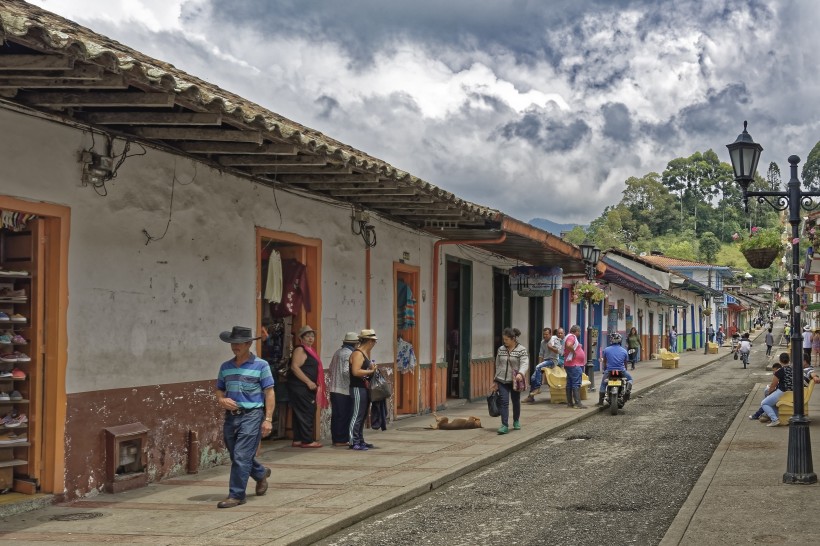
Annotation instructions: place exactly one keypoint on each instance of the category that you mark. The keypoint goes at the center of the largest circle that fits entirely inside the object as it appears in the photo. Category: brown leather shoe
(230, 503)
(262, 485)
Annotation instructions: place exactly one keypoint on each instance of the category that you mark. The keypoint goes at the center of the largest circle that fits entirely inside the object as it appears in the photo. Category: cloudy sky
(537, 108)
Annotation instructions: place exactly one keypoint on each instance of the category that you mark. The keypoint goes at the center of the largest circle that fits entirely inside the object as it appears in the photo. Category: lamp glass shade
(745, 155)
(595, 256)
(587, 249)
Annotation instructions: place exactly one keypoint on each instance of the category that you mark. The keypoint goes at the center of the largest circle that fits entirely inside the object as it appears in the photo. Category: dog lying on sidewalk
(459, 423)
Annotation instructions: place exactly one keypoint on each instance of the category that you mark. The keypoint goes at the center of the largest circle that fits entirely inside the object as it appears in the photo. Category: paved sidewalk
(314, 493)
(740, 497)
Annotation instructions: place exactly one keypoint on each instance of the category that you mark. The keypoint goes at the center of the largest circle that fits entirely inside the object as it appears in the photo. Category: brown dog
(459, 423)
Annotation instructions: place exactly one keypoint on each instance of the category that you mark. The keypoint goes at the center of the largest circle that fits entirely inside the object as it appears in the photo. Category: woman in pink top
(574, 361)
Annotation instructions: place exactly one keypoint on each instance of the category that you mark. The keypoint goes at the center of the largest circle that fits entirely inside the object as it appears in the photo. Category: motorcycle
(618, 391)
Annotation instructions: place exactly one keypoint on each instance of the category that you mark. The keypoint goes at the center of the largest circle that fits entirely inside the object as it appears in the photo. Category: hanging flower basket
(707, 311)
(587, 292)
(761, 258)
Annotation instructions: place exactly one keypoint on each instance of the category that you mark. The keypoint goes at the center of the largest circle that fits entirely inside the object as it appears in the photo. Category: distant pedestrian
(720, 336)
(634, 346)
(807, 341)
(244, 389)
(769, 342)
(710, 333)
(574, 362)
(815, 346)
(673, 339)
(512, 363)
(341, 403)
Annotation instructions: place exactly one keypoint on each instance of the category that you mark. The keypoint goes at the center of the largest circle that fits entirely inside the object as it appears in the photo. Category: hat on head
(351, 337)
(807, 328)
(368, 334)
(238, 334)
(304, 330)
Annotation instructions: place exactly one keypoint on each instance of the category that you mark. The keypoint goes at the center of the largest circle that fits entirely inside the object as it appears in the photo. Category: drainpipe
(367, 276)
(434, 303)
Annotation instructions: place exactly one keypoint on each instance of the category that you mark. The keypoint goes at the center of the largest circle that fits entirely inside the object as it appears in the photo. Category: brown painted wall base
(169, 412)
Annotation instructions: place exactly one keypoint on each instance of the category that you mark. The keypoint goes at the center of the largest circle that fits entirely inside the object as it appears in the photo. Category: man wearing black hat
(244, 389)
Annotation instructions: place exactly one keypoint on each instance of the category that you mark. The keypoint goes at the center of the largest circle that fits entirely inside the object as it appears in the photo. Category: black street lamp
(776, 290)
(590, 254)
(745, 154)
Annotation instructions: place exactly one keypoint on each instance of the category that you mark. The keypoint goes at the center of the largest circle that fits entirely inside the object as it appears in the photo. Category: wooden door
(406, 380)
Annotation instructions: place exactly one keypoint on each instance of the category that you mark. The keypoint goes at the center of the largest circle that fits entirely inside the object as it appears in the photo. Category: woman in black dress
(305, 384)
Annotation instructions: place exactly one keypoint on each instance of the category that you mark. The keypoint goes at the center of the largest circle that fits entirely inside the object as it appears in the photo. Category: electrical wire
(174, 180)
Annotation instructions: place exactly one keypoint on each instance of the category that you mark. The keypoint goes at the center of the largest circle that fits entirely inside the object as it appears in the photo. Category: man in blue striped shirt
(244, 389)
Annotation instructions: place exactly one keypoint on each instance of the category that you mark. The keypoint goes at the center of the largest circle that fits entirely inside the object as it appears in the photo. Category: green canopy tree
(708, 247)
(811, 169)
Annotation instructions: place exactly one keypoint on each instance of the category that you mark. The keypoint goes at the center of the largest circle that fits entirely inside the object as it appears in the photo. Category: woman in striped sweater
(511, 362)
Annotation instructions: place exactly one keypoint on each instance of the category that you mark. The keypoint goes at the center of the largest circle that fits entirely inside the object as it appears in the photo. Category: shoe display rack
(17, 282)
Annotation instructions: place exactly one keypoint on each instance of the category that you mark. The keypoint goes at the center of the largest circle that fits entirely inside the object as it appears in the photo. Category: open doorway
(406, 282)
(459, 326)
(288, 297)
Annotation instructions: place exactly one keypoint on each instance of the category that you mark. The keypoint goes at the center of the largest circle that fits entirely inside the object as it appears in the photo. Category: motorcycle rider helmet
(615, 338)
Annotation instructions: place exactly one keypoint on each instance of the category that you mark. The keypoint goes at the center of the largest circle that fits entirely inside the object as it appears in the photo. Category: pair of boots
(574, 398)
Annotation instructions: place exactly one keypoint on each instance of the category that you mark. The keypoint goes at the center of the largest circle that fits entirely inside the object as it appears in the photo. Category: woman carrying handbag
(512, 363)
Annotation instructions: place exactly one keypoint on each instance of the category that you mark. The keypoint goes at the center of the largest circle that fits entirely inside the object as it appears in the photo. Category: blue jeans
(242, 434)
(508, 394)
(537, 377)
(606, 376)
(673, 345)
(769, 404)
(574, 376)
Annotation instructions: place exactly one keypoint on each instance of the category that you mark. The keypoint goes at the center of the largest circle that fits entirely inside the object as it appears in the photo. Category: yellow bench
(556, 379)
(785, 406)
(669, 360)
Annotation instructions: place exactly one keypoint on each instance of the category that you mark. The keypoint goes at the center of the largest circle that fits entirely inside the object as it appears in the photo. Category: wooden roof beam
(267, 163)
(79, 72)
(312, 169)
(108, 81)
(405, 199)
(153, 118)
(327, 180)
(343, 192)
(182, 133)
(57, 99)
(222, 148)
(35, 62)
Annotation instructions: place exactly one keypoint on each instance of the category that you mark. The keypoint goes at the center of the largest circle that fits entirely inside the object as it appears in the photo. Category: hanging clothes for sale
(406, 311)
(273, 283)
(295, 290)
(15, 221)
(405, 357)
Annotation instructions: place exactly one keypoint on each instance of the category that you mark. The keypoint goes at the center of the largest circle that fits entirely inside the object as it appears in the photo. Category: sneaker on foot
(764, 419)
(359, 447)
(529, 400)
(503, 429)
(774, 423)
(753, 418)
(516, 425)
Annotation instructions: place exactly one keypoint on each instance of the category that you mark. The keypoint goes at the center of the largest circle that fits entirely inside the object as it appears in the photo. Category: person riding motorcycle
(614, 358)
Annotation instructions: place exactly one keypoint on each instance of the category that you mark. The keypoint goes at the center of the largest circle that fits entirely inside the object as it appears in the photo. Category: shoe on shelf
(230, 503)
(22, 357)
(15, 395)
(4, 317)
(5, 339)
(516, 425)
(774, 423)
(503, 429)
(19, 340)
(17, 317)
(17, 373)
(8, 357)
(6, 374)
(4, 396)
(12, 422)
(12, 273)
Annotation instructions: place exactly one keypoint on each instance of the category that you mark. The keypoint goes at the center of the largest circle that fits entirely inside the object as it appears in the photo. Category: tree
(685, 250)
(709, 246)
(576, 235)
(649, 203)
(811, 169)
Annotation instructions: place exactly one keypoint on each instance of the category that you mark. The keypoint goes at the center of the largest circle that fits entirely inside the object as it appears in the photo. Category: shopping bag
(380, 388)
(494, 404)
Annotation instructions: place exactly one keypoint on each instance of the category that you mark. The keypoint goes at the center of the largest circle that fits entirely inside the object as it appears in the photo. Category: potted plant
(761, 246)
(588, 292)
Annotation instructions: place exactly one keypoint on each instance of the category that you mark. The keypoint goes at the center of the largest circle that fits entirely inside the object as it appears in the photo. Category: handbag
(494, 404)
(631, 352)
(380, 388)
(518, 385)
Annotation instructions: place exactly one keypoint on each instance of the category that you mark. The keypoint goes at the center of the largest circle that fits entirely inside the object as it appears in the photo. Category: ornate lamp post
(745, 154)
(776, 290)
(590, 254)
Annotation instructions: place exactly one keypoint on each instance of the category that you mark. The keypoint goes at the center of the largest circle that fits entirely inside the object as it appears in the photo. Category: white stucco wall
(150, 314)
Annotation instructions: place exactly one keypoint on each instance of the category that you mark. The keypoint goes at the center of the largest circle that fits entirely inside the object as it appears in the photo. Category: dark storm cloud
(327, 105)
(547, 134)
(617, 122)
(365, 27)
